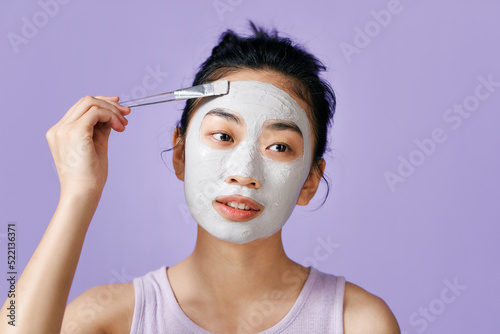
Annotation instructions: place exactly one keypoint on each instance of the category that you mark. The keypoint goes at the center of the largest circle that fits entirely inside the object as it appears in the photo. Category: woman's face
(247, 157)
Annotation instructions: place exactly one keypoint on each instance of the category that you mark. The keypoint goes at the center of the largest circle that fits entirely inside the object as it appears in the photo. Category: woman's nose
(244, 168)
(243, 181)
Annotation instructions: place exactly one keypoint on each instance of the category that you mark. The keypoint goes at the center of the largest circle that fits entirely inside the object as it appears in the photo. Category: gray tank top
(318, 309)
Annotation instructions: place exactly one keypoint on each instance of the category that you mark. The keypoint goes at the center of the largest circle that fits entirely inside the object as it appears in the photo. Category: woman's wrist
(80, 200)
(81, 191)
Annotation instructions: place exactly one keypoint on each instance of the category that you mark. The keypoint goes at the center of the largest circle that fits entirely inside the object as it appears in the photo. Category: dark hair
(268, 51)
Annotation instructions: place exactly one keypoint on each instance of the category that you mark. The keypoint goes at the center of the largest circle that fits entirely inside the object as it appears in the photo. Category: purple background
(401, 244)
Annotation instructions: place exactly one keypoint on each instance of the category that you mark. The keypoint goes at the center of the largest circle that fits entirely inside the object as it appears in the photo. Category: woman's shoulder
(367, 313)
(104, 309)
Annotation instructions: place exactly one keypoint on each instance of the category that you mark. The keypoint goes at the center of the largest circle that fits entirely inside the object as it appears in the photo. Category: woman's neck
(225, 271)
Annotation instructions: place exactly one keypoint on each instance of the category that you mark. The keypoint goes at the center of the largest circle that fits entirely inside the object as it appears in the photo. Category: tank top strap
(338, 305)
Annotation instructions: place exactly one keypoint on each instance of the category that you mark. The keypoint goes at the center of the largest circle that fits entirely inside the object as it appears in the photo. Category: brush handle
(195, 92)
(147, 100)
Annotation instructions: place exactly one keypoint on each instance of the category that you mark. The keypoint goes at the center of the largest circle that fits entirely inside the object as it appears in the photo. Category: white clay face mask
(235, 192)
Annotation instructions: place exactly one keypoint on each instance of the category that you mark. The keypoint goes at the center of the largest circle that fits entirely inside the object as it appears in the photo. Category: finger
(101, 136)
(87, 102)
(101, 132)
(114, 101)
(69, 112)
(96, 115)
(110, 98)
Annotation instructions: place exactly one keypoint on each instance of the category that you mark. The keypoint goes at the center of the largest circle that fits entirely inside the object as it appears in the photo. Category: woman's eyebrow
(224, 114)
(281, 125)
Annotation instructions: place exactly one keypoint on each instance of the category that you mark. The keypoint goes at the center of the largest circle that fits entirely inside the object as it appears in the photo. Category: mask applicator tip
(221, 87)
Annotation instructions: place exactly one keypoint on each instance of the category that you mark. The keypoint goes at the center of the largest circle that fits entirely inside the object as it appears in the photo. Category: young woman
(246, 158)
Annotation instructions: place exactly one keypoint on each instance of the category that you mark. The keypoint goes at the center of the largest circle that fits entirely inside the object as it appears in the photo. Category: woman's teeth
(240, 206)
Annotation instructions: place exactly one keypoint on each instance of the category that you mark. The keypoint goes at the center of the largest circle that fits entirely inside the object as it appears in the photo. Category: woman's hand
(79, 142)
(79, 145)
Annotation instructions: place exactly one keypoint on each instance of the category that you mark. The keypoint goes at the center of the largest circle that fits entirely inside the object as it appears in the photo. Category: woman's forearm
(43, 288)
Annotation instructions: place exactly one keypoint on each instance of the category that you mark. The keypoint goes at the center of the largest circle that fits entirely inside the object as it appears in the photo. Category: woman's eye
(279, 148)
(222, 136)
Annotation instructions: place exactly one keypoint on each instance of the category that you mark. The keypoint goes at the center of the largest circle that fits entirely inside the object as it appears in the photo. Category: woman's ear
(178, 156)
(311, 185)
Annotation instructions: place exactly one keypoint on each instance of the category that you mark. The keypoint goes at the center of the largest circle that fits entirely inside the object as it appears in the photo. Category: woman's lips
(223, 206)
